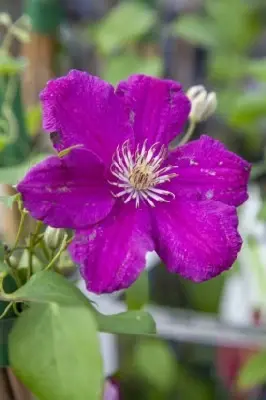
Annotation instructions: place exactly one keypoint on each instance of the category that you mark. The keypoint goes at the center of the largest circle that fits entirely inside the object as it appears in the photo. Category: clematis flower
(111, 390)
(124, 192)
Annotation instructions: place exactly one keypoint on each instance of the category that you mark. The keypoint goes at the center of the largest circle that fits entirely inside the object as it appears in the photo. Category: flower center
(139, 173)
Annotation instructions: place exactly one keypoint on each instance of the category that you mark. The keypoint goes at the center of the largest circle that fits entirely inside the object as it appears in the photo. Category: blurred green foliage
(229, 29)
(13, 174)
(137, 296)
(151, 371)
(122, 39)
(17, 125)
(15, 143)
(154, 361)
(254, 372)
(121, 66)
(33, 117)
(116, 30)
(197, 294)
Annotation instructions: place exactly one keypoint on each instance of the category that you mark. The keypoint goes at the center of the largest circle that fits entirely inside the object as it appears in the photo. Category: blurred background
(211, 336)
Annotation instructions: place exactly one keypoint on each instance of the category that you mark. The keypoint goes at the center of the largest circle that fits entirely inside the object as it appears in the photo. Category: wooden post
(39, 52)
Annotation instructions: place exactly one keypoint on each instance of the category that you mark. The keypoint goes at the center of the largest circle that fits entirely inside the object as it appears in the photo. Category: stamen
(139, 173)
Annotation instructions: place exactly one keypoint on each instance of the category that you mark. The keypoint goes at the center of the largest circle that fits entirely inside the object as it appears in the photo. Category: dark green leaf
(131, 322)
(138, 294)
(254, 372)
(50, 287)
(55, 352)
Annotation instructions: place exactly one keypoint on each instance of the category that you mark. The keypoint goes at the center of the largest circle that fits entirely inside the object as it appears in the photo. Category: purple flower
(124, 192)
(111, 391)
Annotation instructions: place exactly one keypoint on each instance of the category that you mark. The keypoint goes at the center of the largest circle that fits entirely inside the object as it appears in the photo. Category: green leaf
(12, 175)
(138, 294)
(254, 372)
(50, 287)
(120, 67)
(33, 119)
(197, 30)
(155, 363)
(131, 322)
(133, 19)
(55, 352)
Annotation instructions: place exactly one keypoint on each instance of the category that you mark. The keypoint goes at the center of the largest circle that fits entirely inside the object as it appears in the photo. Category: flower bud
(111, 391)
(24, 262)
(53, 237)
(5, 19)
(203, 104)
(65, 265)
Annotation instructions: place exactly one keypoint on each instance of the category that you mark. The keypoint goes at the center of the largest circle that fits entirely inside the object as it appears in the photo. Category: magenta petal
(67, 192)
(111, 391)
(112, 253)
(83, 109)
(206, 170)
(197, 240)
(159, 108)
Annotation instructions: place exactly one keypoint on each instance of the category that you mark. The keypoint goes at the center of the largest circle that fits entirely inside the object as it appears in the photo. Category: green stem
(13, 272)
(189, 133)
(6, 310)
(45, 250)
(63, 246)
(33, 240)
(15, 309)
(30, 254)
(20, 229)
(38, 228)
(7, 41)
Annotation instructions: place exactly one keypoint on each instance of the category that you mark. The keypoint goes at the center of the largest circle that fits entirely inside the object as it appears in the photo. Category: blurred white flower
(53, 237)
(5, 19)
(203, 104)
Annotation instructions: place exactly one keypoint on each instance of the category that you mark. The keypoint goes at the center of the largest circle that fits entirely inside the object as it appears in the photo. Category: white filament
(139, 173)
